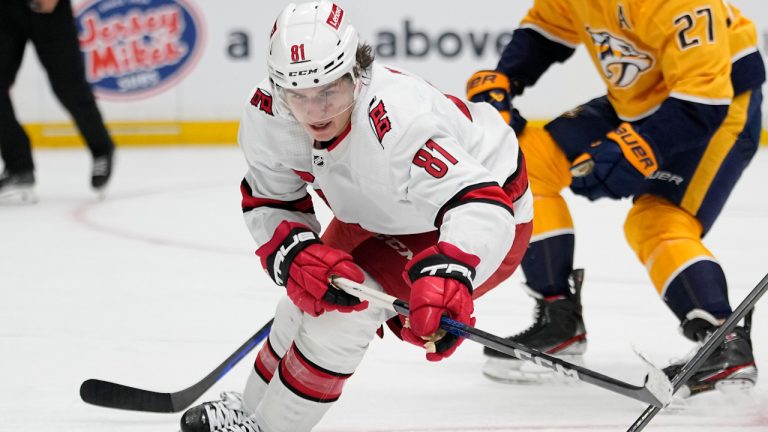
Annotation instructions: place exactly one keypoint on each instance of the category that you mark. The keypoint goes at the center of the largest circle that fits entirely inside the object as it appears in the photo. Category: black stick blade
(111, 395)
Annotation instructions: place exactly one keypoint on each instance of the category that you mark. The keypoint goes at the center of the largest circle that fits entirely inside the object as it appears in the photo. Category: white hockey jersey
(412, 160)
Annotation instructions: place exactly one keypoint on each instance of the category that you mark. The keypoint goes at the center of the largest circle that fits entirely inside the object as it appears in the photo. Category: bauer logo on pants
(133, 49)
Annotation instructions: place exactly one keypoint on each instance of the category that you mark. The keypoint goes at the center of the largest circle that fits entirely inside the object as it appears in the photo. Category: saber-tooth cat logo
(620, 61)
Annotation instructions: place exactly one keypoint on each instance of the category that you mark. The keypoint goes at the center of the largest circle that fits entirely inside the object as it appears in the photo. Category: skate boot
(17, 188)
(730, 368)
(216, 416)
(558, 329)
(101, 172)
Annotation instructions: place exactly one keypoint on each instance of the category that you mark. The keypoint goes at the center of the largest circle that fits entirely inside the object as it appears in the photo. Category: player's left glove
(614, 167)
(441, 285)
(296, 259)
(495, 88)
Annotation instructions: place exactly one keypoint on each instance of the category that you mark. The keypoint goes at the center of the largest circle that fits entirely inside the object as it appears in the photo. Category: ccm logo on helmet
(334, 19)
(303, 72)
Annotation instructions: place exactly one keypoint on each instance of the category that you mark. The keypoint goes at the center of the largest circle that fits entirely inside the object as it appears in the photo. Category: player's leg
(548, 264)
(327, 349)
(58, 47)
(298, 374)
(665, 228)
(233, 408)
(17, 180)
(310, 376)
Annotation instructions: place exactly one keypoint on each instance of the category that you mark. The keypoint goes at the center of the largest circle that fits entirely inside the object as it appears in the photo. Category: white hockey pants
(301, 369)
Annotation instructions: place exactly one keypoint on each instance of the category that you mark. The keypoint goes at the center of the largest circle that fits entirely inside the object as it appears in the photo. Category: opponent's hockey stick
(112, 395)
(703, 353)
(657, 390)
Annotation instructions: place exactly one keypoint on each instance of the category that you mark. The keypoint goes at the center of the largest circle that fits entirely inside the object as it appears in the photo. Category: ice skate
(217, 416)
(101, 172)
(730, 368)
(17, 188)
(558, 329)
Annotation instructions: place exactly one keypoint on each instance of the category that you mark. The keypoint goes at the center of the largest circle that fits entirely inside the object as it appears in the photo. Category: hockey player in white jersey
(418, 182)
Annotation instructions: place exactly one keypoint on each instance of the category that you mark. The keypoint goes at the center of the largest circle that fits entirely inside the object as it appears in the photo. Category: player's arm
(545, 36)
(477, 229)
(280, 215)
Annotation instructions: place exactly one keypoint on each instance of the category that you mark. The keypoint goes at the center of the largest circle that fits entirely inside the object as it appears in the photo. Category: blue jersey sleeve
(527, 56)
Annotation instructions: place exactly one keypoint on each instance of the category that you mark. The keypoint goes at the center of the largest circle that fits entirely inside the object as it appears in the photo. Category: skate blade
(101, 195)
(19, 196)
(729, 395)
(737, 391)
(519, 372)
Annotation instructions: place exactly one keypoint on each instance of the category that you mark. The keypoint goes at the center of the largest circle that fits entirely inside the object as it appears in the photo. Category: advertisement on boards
(136, 48)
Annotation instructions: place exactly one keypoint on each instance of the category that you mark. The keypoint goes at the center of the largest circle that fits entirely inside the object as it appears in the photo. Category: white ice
(158, 284)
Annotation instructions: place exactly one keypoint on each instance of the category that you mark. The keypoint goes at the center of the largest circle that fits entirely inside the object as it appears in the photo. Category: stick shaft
(703, 353)
(657, 393)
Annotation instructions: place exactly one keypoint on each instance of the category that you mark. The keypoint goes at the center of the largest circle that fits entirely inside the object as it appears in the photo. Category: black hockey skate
(218, 416)
(558, 329)
(101, 172)
(730, 368)
(17, 188)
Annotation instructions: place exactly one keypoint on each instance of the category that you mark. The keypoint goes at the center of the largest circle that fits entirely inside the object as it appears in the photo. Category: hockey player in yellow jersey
(678, 125)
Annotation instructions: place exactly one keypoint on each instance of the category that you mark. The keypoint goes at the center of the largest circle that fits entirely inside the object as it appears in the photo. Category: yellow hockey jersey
(648, 50)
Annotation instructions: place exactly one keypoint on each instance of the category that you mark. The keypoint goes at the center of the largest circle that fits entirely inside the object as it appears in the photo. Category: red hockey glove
(614, 167)
(440, 285)
(496, 89)
(296, 259)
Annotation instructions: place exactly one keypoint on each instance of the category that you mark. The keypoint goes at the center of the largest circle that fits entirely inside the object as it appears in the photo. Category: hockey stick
(703, 353)
(112, 395)
(657, 390)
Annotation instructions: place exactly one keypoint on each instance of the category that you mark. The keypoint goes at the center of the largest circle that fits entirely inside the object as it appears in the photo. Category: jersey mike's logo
(136, 48)
(621, 62)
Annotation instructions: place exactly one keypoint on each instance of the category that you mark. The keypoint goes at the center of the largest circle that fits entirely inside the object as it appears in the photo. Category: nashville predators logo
(621, 62)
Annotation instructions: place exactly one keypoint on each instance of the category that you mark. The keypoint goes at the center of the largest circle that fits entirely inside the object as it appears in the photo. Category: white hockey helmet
(312, 44)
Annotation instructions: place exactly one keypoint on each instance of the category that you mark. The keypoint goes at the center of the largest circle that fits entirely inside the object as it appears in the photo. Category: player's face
(323, 111)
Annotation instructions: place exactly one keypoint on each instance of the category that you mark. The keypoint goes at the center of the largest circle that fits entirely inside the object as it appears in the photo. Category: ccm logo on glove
(305, 237)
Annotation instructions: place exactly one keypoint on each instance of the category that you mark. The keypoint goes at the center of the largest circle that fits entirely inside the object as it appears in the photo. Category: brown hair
(363, 59)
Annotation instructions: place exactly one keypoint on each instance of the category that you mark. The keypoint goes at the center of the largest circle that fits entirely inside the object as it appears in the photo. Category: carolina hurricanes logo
(621, 62)
(377, 117)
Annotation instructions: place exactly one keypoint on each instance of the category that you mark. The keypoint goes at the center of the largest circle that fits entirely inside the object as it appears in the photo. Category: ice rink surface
(158, 284)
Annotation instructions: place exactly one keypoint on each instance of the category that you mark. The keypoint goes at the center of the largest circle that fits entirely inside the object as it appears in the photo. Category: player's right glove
(441, 284)
(296, 259)
(614, 167)
(494, 88)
